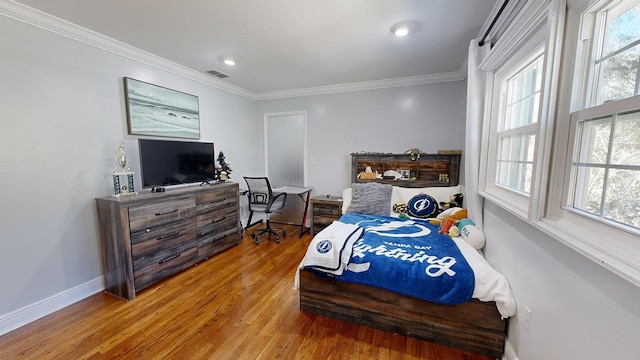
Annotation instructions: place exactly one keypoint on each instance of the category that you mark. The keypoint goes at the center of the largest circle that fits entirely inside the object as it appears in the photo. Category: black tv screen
(167, 162)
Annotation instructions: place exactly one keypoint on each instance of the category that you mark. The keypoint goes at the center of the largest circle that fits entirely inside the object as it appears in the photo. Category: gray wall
(63, 116)
(579, 309)
(428, 117)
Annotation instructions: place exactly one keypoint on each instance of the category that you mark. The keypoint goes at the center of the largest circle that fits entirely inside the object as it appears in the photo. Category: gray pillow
(370, 198)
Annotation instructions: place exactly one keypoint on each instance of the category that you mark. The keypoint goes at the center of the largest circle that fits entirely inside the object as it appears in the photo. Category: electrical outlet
(526, 319)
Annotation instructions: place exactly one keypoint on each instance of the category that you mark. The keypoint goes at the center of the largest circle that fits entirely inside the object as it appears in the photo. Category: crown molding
(31, 16)
(365, 85)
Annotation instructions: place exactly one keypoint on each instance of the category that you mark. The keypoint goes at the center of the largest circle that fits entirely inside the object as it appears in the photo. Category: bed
(472, 320)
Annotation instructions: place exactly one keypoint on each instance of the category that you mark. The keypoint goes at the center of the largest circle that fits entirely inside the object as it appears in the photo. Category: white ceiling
(289, 44)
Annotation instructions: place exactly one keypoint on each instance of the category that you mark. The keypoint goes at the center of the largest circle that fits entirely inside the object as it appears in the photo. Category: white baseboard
(42, 308)
(509, 353)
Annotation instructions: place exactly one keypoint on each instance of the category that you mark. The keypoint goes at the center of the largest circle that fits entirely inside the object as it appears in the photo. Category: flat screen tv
(167, 162)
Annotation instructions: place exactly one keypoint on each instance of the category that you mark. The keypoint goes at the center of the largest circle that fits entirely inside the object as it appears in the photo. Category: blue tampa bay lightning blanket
(408, 257)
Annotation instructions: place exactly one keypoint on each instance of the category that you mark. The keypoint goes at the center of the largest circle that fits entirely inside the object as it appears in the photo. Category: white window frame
(614, 247)
(530, 31)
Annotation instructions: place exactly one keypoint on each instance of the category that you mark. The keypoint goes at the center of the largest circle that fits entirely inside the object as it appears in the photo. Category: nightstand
(325, 209)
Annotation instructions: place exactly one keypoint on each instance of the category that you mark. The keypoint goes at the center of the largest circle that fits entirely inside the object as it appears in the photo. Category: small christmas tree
(223, 167)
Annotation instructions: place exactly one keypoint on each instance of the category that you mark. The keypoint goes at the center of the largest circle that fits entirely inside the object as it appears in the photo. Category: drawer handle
(176, 233)
(217, 201)
(167, 213)
(174, 256)
(218, 220)
(212, 240)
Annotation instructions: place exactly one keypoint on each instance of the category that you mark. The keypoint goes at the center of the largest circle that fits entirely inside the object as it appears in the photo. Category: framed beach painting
(157, 111)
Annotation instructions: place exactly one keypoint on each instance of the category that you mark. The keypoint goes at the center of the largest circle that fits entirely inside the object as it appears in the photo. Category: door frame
(266, 117)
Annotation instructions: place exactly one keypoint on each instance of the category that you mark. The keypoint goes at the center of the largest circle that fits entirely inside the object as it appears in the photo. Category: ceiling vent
(218, 74)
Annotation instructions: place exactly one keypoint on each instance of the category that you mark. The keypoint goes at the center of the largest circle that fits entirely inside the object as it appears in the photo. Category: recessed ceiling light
(229, 61)
(401, 29)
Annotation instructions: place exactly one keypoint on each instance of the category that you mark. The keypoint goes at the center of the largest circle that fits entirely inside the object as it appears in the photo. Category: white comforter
(490, 284)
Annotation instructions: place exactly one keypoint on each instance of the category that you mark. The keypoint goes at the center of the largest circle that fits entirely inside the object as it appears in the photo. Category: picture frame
(154, 110)
(404, 174)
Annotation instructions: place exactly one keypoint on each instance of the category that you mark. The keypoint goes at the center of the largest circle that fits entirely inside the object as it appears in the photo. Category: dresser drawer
(152, 268)
(146, 216)
(216, 200)
(327, 210)
(324, 220)
(158, 238)
(321, 222)
(212, 223)
(211, 245)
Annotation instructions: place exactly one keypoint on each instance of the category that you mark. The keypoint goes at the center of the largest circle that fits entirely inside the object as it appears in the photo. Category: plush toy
(400, 208)
(453, 231)
(471, 234)
(448, 220)
(454, 201)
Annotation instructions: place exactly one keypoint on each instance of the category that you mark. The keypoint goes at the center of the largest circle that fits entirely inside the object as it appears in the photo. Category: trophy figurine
(122, 178)
(122, 159)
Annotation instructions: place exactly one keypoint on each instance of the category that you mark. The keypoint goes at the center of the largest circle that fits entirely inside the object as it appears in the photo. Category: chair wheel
(277, 239)
(284, 233)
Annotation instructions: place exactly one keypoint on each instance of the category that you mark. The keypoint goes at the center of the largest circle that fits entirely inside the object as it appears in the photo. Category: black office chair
(262, 199)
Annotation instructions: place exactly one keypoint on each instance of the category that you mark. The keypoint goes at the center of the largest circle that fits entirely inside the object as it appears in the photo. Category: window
(516, 134)
(562, 126)
(593, 202)
(605, 164)
(519, 86)
(605, 169)
(618, 52)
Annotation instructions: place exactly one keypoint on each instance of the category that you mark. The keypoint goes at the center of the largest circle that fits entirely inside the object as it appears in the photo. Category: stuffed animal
(471, 234)
(454, 201)
(448, 220)
(400, 208)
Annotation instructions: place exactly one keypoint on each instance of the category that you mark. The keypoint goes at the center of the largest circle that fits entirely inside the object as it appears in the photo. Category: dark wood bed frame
(473, 326)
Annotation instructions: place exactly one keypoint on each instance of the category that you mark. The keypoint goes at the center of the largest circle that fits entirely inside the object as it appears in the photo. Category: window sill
(617, 257)
(506, 200)
(621, 256)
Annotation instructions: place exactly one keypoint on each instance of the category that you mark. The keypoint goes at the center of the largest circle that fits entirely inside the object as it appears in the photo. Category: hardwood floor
(239, 304)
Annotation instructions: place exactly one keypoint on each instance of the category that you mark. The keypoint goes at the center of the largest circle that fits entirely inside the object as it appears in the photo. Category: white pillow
(440, 193)
(346, 199)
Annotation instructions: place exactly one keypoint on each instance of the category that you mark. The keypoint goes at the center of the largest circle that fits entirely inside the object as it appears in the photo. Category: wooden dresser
(148, 237)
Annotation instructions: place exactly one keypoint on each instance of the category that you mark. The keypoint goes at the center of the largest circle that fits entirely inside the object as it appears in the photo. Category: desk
(303, 193)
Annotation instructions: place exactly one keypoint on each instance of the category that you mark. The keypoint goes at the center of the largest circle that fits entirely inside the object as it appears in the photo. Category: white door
(285, 158)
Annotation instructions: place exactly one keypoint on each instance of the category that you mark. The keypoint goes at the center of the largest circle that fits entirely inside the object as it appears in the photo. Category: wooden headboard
(426, 171)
